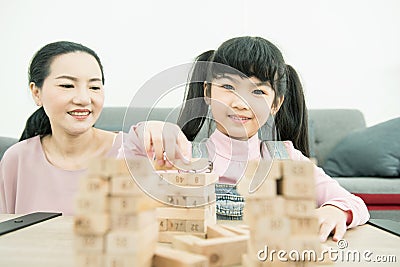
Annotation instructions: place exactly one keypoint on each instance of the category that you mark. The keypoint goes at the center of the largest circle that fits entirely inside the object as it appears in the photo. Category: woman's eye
(95, 87)
(66, 85)
(228, 87)
(258, 92)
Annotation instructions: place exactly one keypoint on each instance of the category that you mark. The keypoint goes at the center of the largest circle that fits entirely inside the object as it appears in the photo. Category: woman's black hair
(248, 57)
(38, 123)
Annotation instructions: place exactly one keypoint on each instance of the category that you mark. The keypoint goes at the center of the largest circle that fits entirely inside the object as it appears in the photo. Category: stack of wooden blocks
(189, 203)
(280, 212)
(115, 223)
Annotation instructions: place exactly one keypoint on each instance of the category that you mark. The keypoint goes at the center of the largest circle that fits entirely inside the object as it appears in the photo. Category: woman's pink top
(29, 183)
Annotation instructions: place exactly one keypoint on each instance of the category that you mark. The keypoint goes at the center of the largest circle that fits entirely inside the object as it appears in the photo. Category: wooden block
(300, 208)
(116, 167)
(168, 236)
(216, 230)
(304, 226)
(176, 225)
(131, 205)
(255, 208)
(162, 225)
(220, 251)
(89, 259)
(132, 241)
(259, 177)
(194, 201)
(199, 179)
(129, 260)
(296, 169)
(186, 196)
(237, 229)
(198, 226)
(271, 228)
(91, 204)
(125, 186)
(186, 213)
(165, 256)
(95, 186)
(196, 164)
(89, 243)
(96, 168)
(133, 222)
(299, 188)
(174, 177)
(176, 200)
(92, 224)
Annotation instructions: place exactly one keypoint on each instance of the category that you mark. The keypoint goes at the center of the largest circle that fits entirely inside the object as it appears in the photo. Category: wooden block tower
(280, 212)
(115, 222)
(189, 200)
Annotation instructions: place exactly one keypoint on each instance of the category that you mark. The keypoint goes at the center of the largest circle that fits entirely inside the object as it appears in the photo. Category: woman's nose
(82, 96)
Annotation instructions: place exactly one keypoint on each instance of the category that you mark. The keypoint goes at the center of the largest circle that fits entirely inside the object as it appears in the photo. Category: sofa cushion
(329, 126)
(373, 151)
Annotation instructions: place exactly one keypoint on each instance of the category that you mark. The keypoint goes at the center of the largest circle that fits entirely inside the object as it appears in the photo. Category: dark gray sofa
(327, 128)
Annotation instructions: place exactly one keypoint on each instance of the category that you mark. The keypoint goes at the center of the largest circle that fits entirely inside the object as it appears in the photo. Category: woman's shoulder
(21, 147)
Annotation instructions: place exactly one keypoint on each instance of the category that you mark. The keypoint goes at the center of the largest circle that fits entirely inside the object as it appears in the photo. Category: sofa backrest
(5, 143)
(326, 126)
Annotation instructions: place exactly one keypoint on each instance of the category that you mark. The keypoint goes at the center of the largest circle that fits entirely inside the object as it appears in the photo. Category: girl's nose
(239, 102)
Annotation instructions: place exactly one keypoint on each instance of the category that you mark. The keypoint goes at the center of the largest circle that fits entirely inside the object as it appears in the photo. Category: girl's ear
(36, 94)
(206, 98)
(279, 102)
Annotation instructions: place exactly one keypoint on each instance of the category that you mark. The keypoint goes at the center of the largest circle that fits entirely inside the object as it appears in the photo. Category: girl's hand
(159, 137)
(332, 219)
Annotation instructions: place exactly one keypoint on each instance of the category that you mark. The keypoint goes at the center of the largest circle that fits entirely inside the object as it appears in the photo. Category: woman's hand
(159, 137)
(332, 219)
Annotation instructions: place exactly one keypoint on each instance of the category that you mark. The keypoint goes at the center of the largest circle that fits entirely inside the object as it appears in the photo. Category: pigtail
(37, 124)
(194, 111)
(292, 118)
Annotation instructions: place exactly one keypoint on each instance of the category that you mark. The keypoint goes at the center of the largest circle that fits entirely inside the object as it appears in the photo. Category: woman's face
(240, 106)
(73, 94)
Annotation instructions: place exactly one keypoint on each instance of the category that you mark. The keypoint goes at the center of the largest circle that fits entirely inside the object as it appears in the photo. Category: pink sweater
(230, 157)
(29, 183)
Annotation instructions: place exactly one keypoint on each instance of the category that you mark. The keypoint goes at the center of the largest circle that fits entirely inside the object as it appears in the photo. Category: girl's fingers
(340, 230)
(324, 231)
(184, 148)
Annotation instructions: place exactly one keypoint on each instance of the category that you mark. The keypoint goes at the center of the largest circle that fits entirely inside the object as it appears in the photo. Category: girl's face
(240, 106)
(72, 95)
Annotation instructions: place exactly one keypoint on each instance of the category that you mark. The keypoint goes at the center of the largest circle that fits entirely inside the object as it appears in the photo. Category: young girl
(252, 96)
(41, 172)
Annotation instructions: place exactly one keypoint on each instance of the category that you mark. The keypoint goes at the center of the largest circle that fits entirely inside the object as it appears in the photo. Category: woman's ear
(36, 94)
(206, 98)
(279, 102)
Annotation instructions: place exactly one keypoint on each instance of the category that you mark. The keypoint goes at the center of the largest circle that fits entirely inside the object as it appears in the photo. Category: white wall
(347, 52)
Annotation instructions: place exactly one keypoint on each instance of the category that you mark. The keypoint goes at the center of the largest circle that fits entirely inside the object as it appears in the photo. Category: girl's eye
(258, 92)
(228, 87)
(66, 85)
(95, 87)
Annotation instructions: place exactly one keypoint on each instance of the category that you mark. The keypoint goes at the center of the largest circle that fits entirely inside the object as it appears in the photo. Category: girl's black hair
(38, 123)
(248, 57)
